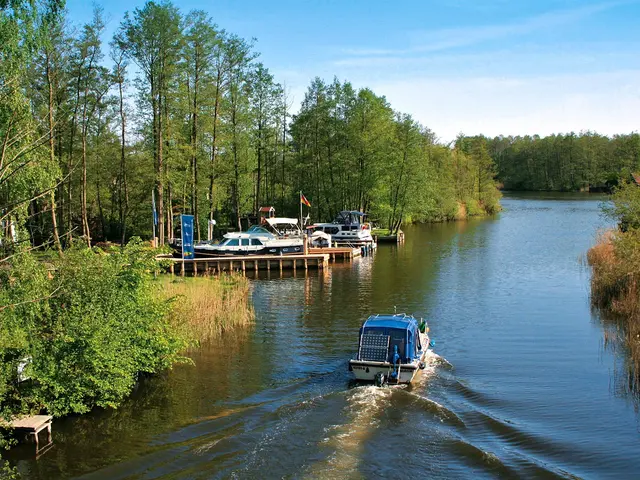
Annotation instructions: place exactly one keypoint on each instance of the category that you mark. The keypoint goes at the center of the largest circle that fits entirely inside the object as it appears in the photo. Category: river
(521, 384)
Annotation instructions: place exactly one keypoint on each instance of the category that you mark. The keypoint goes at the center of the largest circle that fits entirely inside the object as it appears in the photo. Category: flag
(303, 200)
(153, 207)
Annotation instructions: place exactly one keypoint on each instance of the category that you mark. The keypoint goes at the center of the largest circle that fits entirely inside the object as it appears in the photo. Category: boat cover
(401, 329)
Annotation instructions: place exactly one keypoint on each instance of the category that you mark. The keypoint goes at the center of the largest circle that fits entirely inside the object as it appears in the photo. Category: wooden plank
(34, 422)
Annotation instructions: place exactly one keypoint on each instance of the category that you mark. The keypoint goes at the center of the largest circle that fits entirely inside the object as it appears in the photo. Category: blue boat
(391, 349)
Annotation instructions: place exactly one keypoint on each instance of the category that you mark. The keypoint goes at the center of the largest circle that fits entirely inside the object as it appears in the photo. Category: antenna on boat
(395, 309)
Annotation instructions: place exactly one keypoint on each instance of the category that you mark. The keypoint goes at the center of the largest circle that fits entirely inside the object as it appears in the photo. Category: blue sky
(472, 66)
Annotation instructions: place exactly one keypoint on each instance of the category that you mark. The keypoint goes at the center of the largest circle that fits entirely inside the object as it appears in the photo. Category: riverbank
(615, 290)
(78, 331)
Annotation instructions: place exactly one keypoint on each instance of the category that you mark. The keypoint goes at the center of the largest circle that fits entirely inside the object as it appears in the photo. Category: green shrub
(90, 322)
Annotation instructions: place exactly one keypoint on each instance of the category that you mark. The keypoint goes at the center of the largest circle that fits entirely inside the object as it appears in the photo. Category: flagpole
(300, 200)
(153, 215)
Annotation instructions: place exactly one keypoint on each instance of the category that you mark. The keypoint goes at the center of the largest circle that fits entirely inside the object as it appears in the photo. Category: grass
(206, 307)
(615, 289)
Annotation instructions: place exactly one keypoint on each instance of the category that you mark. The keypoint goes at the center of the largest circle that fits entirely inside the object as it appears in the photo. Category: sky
(492, 67)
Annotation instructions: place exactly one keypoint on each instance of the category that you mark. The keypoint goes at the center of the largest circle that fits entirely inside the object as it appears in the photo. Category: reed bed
(206, 307)
(615, 290)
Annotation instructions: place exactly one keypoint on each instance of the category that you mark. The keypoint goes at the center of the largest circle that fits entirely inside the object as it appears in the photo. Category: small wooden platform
(243, 264)
(345, 253)
(33, 425)
(397, 238)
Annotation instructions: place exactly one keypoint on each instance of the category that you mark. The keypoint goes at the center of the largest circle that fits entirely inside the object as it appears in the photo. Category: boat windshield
(259, 229)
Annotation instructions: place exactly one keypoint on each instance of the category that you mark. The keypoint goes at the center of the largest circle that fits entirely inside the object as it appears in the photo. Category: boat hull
(367, 371)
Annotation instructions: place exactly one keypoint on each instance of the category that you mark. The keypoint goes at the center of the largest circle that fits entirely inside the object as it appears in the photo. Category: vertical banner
(186, 228)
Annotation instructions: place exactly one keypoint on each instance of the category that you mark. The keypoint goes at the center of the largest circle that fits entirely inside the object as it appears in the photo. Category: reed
(615, 289)
(208, 306)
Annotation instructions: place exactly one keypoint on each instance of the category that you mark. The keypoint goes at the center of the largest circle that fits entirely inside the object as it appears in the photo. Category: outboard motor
(380, 379)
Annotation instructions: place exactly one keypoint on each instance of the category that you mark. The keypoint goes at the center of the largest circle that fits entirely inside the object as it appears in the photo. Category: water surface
(520, 387)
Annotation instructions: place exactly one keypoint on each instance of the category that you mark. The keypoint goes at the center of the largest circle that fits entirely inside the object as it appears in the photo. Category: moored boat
(391, 349)
(348, 227)
(283, 238)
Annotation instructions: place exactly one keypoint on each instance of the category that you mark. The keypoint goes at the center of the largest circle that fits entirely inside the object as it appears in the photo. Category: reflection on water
(626, 354)
(519, 387)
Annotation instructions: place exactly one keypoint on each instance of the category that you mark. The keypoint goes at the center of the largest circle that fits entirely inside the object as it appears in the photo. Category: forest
(176, 105)
(571, 162)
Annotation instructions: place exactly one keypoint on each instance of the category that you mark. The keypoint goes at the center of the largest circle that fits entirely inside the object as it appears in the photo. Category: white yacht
(278, 236)
(347, 228)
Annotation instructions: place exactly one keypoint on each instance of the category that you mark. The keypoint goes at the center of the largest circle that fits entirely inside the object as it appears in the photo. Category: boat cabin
(348, 227)
(382, 335)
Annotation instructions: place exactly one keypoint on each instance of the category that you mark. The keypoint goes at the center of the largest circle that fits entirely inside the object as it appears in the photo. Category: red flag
(304, 201)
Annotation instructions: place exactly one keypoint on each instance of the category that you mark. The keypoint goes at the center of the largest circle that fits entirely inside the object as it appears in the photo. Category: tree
(151, 37)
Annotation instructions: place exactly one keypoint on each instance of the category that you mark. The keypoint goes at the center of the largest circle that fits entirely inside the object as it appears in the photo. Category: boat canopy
(348, 217)
(402, 331)
(282, 221)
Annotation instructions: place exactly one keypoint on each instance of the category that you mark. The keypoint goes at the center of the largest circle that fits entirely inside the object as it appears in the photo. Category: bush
(90, 322)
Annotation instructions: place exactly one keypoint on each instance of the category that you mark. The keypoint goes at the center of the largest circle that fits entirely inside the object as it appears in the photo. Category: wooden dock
(397, 238)
(248, 263)
(344, 253)
(33, 425)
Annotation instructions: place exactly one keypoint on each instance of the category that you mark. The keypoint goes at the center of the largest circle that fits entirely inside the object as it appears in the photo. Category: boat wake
(346, 441)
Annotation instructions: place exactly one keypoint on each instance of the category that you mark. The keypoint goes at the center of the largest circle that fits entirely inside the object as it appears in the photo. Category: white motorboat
(283, 238)
(347, 228)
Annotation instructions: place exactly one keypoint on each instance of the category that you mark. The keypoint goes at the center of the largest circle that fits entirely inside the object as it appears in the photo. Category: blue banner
(186, 227)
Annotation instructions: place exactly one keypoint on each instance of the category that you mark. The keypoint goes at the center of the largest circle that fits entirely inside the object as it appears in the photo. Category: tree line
(586, 161)
(177, 105)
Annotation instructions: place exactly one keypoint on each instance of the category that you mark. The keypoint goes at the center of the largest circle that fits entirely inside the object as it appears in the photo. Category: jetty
(33, 425)
(343, 253)
(247, 263)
